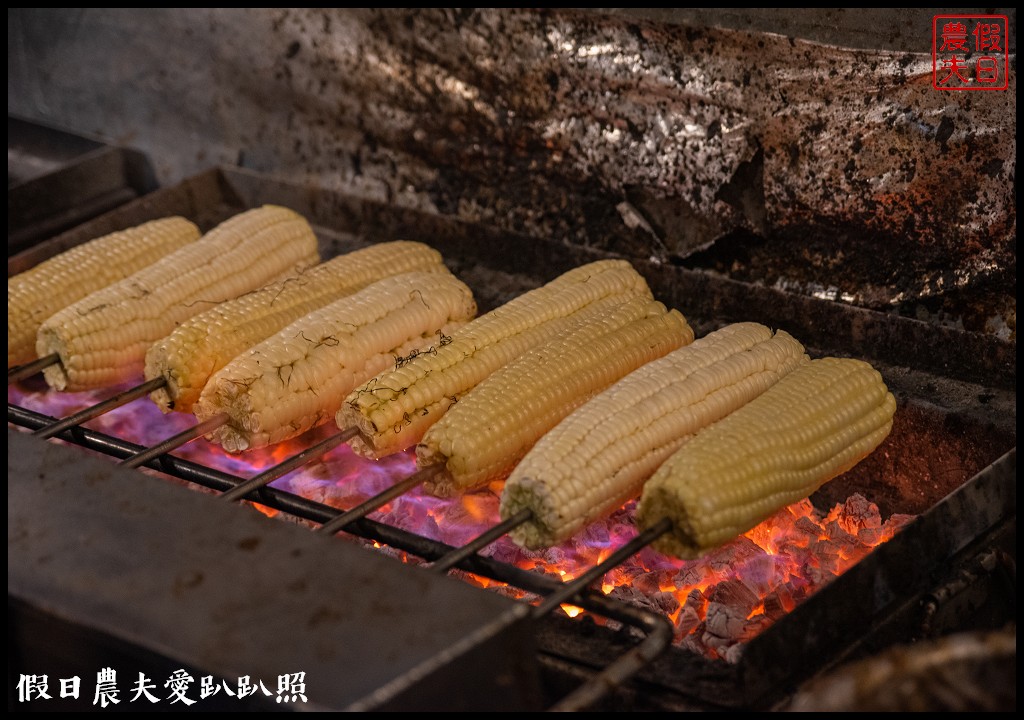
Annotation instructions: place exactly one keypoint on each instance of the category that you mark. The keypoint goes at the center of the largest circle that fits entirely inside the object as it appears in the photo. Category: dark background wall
(801, 149)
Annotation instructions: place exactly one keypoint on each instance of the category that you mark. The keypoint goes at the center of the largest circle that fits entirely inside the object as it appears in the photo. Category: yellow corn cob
(102, 339)
(488, 431)
(36, 294)
(599, 456)
(298, 378)
(394, 410)
(207, 342)
(815, 424)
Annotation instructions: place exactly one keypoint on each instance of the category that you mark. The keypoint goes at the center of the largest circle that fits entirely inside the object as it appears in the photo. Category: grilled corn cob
(394, 410)
(207, 342)
(36, 294)
(488, 431)
(102, 339)
(816, 423)
(299, 377)
(600, 455)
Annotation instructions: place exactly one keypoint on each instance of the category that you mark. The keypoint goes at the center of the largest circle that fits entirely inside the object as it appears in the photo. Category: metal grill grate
(656, 628)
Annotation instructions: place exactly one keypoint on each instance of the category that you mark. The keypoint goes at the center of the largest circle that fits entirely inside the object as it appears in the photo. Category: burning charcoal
(799, 539)
(409, 514)
(734, 594)
(695, 599)
(694, 642)
(766, 533)
(816, 571)
(507, 591)
(858, 513)
(661, 602)
(798, 589)
(726, 621)
(455, 514)
(806, 528)
(628, 573)
(729, 605)
(734, 654)
(595, 535)
(327, 493)
(651, 582)
(633, 596)
(724, 559)
(715, 645)
(777, 604)
(629, 594)
(651, 558)
(687, 622)
(506, 551)
(693, 574)
(760, 574)
(554, 556)
(837, 534)
(897, 521)
(871, 536)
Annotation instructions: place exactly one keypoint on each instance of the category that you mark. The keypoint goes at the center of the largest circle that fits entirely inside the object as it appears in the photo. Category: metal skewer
(122, 398)
(270, 475)
(379, 500)
(21, 372)
(447, 562)
(574, 587)
(175, 441)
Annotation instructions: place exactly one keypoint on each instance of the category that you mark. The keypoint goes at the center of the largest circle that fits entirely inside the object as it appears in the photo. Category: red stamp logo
(970, 52)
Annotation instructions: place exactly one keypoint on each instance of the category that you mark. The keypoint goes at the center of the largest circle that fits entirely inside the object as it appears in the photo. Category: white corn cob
(299, 377)
(36, 294)
(210, 340)
(816, 423)
(484, 435)
(393, 411)
(102, 339)
(599, 456)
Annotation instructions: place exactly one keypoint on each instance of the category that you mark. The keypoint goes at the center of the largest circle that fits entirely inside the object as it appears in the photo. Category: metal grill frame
(891, 339)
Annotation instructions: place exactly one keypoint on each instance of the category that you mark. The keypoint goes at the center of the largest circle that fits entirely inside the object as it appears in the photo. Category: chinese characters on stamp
(970, 52)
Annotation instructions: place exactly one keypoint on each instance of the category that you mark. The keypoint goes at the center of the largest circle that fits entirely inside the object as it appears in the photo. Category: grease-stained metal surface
(824, 170)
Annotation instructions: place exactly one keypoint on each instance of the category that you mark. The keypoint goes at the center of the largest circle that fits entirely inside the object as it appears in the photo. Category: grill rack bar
(378, 501)
(94, 411)
(175, 441)
(481, 541)
(657, 628)
(283, 468)
(23, 372)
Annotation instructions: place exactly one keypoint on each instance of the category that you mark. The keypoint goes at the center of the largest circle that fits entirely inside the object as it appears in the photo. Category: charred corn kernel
(103, 338)
(393, 411)
(815, 424)
(599, 456)
(298, 378)
(36, 294)
(484, 435)
(207, 342)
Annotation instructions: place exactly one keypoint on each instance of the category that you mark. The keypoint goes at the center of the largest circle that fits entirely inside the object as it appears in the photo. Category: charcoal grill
(951, 460)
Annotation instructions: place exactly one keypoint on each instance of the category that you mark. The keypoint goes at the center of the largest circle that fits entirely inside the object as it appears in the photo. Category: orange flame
(716, 602)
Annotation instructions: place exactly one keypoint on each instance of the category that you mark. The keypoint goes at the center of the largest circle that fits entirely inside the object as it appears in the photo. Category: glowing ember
(716, 602)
